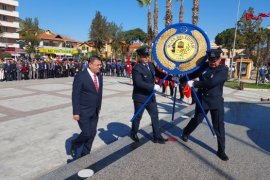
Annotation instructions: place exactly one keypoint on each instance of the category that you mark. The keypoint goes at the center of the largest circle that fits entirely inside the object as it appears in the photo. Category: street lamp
(240, 66)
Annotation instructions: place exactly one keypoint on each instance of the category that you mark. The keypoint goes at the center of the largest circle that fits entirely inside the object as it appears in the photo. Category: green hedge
(235, 85)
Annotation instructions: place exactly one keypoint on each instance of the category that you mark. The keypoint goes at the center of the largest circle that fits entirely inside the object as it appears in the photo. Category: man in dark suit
(143, 75)
(86, 102)
(212, 76)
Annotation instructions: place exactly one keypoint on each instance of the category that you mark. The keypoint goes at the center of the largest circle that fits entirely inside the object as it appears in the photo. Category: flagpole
(234, 41)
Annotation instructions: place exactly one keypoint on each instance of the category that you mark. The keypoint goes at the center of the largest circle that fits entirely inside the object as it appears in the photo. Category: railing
(9, 13)
(10, 2)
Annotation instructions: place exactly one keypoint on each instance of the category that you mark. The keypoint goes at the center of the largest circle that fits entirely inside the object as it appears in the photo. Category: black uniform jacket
(210, 85)
(144, 81)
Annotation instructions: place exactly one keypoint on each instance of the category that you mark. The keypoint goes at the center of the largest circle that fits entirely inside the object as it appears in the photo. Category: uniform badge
(180, 48)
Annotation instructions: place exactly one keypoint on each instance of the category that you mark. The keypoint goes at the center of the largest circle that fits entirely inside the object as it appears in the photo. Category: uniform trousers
(152, 110)
(217, 116)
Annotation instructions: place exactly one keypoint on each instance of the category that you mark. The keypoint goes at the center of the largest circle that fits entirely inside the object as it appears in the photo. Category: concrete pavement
(36, 126)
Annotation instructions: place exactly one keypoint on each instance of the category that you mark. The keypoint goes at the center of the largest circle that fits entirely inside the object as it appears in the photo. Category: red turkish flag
(187, 90)
(249, 16)
(128, 65)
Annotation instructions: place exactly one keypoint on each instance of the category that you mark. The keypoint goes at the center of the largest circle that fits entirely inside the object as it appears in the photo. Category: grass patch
(235, 85)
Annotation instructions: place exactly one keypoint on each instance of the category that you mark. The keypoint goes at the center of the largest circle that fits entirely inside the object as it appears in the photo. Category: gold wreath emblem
(185, 49)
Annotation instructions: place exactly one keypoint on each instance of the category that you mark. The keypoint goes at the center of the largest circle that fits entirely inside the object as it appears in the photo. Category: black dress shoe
(160, 140)
(222, 156)
(134, 137)
(184, 137)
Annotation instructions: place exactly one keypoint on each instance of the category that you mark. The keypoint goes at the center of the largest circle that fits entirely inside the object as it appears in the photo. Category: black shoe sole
(184, 138)
(223, 158)
(134, 139)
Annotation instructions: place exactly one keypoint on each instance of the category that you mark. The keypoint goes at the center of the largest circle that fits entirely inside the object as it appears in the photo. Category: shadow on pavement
(113, 132)
(254, 116)
(69, 142)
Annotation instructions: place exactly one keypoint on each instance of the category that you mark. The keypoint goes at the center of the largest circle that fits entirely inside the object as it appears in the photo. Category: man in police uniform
(212, 76)
(143, 75)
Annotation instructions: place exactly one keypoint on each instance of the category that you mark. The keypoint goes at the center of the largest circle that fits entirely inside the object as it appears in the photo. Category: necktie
(95, 82)
(147, 66)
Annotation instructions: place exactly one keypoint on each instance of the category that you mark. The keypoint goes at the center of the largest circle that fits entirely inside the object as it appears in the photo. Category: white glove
(190, 83)
(156, 87)
(175, 79)
(175, 84)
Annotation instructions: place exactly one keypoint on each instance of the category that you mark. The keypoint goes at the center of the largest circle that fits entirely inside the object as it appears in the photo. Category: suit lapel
(90, 81)
(145, 69)
(99, 83)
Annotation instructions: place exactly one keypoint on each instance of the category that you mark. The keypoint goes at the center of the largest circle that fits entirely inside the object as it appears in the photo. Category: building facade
(55, 46)
(9, 24)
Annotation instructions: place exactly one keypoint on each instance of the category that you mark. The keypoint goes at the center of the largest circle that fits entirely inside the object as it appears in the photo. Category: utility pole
(234, 41)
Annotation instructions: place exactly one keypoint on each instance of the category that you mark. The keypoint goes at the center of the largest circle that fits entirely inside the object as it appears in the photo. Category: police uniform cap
(143, 50)
(214, 54)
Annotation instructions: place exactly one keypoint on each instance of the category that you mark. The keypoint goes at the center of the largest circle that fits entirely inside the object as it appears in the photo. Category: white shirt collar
(92, 75)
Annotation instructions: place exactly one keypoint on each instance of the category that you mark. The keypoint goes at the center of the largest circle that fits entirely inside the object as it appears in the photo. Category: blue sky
(73, 18)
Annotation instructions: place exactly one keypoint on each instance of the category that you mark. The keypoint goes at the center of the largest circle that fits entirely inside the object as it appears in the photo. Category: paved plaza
(36, 127)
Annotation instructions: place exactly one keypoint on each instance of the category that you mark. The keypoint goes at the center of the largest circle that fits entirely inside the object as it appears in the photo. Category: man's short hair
(93, 58)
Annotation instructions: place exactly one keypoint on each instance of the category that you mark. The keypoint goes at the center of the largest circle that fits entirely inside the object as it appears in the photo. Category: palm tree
(155, 18)
(195, 12)
(149, 18)
(181, 12)
(168, 17)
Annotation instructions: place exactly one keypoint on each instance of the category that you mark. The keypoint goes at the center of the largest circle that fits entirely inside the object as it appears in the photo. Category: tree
(168, 16)
(226, 39)
(135, 35)
(155, 19)
(98, 31)
(29, 32)
(181, 11)
(4, 55)
(195, 12)
(261, 38)
(117, 37)
(248, 29)
(149, 19)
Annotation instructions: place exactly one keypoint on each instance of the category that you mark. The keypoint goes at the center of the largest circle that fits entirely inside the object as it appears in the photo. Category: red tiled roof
(56, 37)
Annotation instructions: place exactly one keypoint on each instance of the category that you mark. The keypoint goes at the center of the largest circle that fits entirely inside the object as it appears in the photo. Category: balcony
(10, 24)
(10, 2)
(10, 35)
(9, 45)
(9, 13)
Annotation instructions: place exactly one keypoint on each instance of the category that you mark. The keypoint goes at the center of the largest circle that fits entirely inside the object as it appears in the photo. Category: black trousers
(217, 116)
(151, 108)
(88, 126)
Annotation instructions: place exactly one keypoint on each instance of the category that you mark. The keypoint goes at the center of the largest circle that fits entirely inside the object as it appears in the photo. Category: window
(46, 43)
(3, 18)
(4, 6)
(4, 29)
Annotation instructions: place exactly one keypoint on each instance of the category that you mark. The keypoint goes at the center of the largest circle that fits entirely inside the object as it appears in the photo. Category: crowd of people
(12, 70)
(264, 74)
